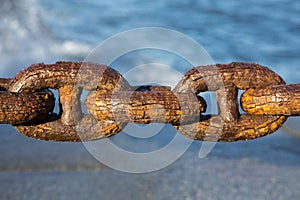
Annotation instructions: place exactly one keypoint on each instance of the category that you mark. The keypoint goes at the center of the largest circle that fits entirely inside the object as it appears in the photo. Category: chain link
(112, 102)
(272, 100)
(21, 108)
(226, 80)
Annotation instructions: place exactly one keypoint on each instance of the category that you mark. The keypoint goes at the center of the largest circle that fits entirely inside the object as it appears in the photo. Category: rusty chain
(28, 104)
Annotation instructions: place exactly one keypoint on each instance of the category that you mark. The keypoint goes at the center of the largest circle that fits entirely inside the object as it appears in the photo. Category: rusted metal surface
(69, 78)
(82, 74)
(4, 83)
(214, 128)
(146, 107)
(18, 108)
(87, 129)
(112, 102)
(225, 80)
(213, 77)
(272, 100)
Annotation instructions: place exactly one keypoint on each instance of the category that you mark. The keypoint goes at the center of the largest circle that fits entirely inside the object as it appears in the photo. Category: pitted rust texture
(69, 98)
(272, 100)
(89, 76)
(115, 103)
(248, 127)
(226, 79)
(69, 78)
(20, 108)
(87, 129)
(213, 77)
(227, 98)
(159, 105)
(4, 83)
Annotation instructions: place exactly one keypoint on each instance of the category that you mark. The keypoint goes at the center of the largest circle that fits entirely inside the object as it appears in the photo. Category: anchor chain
(27, 102)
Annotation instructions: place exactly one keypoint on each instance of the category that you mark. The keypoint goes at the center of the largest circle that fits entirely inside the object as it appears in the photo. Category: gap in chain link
(82, 99)
(212, 104)
(57, 108)
(56, 105)
(240, 92)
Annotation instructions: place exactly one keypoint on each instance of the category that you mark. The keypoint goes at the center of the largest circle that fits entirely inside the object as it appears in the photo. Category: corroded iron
(157, 105)
(112, 102)
(229, 125)
(20, 108)
(69, 78)
(272, 100)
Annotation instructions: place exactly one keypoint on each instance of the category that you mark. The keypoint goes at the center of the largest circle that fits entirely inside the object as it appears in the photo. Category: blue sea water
(266, 32)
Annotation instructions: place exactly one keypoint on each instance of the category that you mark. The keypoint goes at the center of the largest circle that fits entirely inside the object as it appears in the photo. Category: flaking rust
(144, 107)
(112, 102)
(226, 79)
(69, 78)
(20, 108)
(272, 100)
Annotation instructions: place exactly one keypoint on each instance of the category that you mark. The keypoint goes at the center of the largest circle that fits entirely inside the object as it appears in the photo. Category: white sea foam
(70, 48)
(25, 39)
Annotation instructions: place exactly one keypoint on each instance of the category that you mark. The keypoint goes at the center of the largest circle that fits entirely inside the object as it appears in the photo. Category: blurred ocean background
(266, 32)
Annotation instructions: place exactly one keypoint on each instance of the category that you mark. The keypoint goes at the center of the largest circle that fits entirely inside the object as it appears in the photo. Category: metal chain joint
(27, 103)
